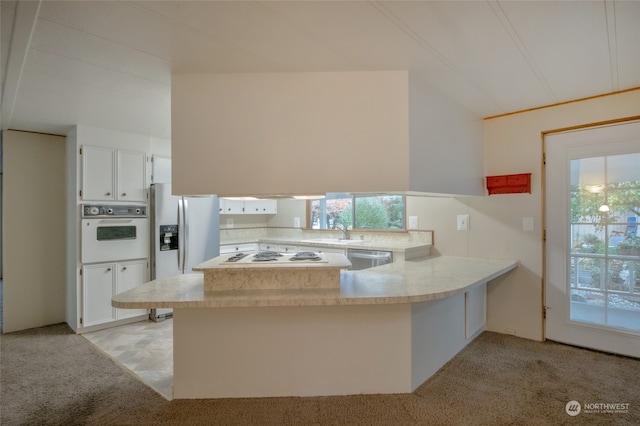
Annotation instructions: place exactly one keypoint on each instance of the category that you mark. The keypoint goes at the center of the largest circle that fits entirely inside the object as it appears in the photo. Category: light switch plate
(296, 222)
(229, 222)
(413, 222)
(463, 222)
(527, 224)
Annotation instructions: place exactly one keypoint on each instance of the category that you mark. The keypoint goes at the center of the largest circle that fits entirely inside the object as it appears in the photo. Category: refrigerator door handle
(185, 224)
(181, 231)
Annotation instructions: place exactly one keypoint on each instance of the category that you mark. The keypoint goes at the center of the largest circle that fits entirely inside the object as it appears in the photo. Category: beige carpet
(50, 376)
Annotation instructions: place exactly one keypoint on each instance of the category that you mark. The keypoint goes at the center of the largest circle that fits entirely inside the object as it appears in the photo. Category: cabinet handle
(108, 194)
(124, 194)
(108, 269)
(124, 268)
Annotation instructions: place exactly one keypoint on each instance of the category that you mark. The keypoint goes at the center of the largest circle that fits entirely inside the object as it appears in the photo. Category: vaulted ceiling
(109, 64)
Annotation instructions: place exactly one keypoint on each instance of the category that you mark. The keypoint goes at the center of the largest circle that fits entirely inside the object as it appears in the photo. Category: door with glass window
(592, 251)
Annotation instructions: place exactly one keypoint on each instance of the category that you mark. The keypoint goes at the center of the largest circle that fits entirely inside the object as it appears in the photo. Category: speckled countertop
(400, 249)
(355, 244)
(405, 281)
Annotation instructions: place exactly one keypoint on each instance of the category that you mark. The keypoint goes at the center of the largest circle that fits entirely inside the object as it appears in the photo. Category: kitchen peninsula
(382, 330)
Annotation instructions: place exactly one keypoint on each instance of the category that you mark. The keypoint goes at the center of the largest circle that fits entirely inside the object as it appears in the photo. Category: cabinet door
(97, 291)
(238, 248)
(132, 168)
(98, 173)
(268, 206)
(283, 248)
(261, 207)
(228, 206)
(161, 169)
(268, 247)
(130, 275)
(318, 249)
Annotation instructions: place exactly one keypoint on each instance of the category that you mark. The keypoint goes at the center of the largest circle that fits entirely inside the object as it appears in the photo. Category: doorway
(592, 209)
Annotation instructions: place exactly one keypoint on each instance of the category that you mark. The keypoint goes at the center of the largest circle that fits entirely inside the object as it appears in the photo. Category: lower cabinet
(318, 249)
(130, 275)
(280, 248)
(238, 248)
(101, 281)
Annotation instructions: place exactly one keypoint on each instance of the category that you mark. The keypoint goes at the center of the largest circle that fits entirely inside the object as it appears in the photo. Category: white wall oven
(114, 232)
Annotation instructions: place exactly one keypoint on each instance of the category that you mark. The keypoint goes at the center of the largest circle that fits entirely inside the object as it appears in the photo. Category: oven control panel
(118, 210)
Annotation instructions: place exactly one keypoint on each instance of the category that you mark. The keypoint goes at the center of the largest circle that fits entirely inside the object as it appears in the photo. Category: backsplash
(243, 235)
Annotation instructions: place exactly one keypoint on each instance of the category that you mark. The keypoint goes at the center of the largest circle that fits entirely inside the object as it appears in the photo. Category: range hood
(294, 134)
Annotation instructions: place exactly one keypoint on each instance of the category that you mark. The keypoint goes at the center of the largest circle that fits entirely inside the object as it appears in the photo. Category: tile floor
(145, 348)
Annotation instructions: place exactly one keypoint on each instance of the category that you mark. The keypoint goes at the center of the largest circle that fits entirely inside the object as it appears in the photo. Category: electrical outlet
(296, 222)
(463, 222)
(229, 222)
(413, 222)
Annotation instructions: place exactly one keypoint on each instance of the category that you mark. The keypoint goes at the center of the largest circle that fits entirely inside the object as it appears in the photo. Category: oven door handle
(115, 221)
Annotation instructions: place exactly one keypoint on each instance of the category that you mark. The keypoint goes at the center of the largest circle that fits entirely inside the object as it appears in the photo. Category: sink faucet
(343, 229)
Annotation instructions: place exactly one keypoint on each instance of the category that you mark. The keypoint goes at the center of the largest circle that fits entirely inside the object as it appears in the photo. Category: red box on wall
(509, 184)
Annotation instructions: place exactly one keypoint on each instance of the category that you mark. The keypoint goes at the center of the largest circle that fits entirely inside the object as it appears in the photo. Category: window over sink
(340, 210)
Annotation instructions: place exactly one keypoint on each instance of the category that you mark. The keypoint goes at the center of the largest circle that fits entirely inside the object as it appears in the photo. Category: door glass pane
(605, 245)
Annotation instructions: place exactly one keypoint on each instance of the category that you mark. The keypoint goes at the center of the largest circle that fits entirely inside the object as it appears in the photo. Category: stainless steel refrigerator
(185, 231)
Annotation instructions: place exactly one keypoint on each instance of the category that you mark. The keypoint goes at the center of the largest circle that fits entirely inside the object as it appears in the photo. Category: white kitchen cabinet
(131, 173)
(101, 281)
(238, 248)
(322, 249)
(129, 276)
(228, 206)
(98, 173)
(475, 309)
(161, 166)
(280, 248)
(285, 248)
(261, 207)
(268, 247)
(110, 174)
(97, 290)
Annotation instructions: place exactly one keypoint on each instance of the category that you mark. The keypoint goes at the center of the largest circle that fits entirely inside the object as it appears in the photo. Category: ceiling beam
(24, 23)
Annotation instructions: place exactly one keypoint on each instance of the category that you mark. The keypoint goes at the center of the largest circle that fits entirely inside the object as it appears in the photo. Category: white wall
(34, 230)
(446, 143)
(287, 210)
(513, 144)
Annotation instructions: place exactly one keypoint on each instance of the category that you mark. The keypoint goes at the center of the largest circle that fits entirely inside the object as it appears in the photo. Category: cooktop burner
(238, 256)
(305, 255)
(264, 259)
(267, 253)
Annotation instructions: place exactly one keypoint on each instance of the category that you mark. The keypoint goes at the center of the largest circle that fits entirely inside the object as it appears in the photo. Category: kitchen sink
(334, 241)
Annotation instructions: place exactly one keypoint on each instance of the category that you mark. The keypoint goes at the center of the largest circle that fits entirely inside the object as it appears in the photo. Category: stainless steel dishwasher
(363, 259)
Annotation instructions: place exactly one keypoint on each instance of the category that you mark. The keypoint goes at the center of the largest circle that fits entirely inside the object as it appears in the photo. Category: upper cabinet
(228, 206)
(161, 169)
(261, 207)
(110, 174)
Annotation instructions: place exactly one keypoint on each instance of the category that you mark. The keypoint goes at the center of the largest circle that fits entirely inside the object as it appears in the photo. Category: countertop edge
(188, 291)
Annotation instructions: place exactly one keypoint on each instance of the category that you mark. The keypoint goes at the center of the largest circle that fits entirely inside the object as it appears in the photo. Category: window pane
(379, 212)
(605, 205)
